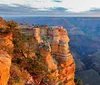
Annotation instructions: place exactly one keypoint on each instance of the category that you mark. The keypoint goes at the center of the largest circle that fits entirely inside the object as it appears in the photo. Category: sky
(49, 7)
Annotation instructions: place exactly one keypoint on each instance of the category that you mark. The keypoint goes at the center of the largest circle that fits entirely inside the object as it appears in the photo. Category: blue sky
(57, 7)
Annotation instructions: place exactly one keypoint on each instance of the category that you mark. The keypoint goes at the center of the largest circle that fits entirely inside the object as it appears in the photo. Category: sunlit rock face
(54, 48)
(5, 63)
(6, 47)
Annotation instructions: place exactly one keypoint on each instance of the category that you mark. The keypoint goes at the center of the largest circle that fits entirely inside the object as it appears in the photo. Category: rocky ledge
(52, 46)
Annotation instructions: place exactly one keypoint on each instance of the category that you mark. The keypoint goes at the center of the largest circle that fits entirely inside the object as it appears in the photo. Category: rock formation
(47, 53)
(54, 48)
(5, 57)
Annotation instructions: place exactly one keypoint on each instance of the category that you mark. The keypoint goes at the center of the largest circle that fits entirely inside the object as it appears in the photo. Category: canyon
(47, 62)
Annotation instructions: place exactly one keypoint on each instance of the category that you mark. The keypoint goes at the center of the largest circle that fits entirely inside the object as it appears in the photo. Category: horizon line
(65, 15)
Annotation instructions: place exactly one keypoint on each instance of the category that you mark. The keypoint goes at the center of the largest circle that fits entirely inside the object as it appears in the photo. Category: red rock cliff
(5, 57)
(54, 48)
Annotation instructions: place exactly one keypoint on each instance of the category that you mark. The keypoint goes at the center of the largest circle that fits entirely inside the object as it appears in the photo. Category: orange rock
(43, 31)
(60, 48)
(6, 47)
(48, 59)
(36, 32)
(5, 63)
(61, 54)
(49, 62)
(54, 47)
(6, 41)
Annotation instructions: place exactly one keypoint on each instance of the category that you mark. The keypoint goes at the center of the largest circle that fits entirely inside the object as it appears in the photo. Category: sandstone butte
(52, 46)
(56, 49)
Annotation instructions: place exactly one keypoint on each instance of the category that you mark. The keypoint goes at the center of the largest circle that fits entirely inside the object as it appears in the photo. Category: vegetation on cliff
(42, 58)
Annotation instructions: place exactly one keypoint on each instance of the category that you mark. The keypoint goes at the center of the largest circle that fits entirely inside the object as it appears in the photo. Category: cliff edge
(40, 58)
(54, 48)
(6, 47)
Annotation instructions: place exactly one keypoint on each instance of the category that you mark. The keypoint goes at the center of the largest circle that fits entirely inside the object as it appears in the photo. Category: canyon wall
(6, 47)
(54, 48)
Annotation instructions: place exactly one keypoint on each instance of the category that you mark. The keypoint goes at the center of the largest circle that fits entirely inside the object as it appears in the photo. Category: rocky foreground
(6, 47)
(50, 47)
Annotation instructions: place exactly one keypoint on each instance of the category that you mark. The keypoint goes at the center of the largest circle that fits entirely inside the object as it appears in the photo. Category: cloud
(94, 10)
(57, 0)
(16, 8)
(60, 9)
(46, 7)
(22, 9)
(72, 5)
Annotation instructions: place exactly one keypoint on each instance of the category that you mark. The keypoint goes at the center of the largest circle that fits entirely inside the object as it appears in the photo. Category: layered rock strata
(54, 48)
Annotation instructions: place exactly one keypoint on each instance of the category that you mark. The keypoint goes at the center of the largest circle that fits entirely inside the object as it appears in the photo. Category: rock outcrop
(54, 48)
(6, 47)
(56, 62)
